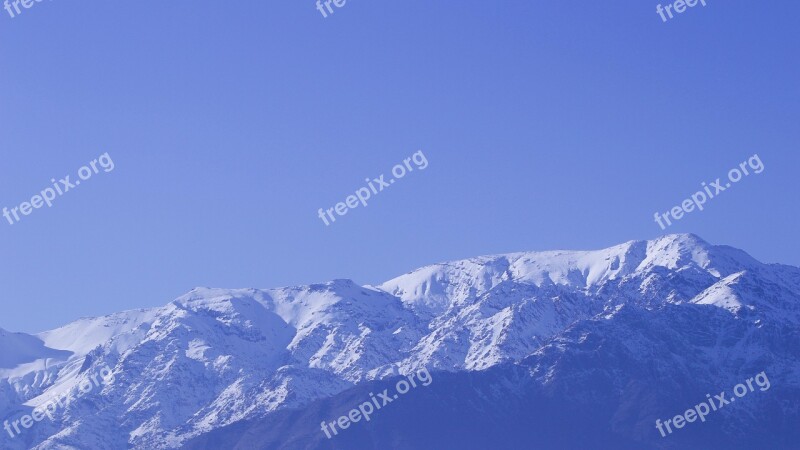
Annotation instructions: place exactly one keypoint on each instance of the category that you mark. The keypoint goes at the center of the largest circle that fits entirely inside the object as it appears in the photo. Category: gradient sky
(546, 124)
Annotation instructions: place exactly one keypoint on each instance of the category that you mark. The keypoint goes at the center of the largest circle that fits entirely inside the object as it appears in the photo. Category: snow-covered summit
(214, 356)
(434, 289)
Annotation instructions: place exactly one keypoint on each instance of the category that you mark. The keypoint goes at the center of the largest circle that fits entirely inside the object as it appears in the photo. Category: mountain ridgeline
(532, 350)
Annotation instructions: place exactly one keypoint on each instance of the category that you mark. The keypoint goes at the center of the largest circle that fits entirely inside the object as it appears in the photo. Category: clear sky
(546, 125)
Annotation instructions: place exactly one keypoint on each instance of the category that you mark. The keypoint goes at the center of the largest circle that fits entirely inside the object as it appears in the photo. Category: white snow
(214, 356)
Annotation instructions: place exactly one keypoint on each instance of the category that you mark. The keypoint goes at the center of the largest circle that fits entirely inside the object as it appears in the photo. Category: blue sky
(546, 125)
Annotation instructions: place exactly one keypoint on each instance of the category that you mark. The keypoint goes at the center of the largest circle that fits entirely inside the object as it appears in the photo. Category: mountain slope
(633, 328)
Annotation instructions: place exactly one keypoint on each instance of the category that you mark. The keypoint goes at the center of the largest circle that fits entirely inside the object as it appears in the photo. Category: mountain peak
(256, 351)
(433, 289)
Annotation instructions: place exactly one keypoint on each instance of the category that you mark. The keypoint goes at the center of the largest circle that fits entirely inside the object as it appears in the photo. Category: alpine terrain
(532, 350)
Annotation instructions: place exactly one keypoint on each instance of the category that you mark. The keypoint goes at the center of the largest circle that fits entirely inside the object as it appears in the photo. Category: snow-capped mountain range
(217, 357)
